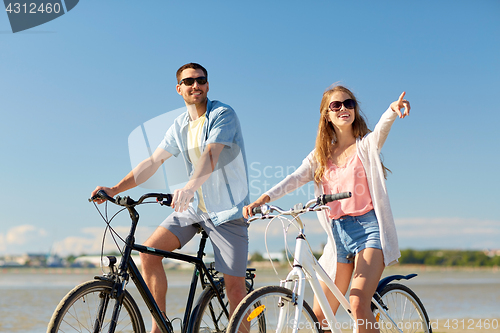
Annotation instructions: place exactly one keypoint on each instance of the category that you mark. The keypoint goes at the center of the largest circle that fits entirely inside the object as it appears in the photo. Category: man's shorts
(229, 240)
(353, 234)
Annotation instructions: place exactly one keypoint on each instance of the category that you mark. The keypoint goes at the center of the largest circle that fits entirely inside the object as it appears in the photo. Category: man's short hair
(192, 65)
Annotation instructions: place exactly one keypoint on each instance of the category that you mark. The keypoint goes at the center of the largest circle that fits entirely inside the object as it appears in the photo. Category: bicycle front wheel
(405, 309)
(272, 309)
(89, 307)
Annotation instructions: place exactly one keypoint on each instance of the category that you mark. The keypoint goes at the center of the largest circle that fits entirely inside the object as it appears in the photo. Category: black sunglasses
(348, 103)
(189, 81)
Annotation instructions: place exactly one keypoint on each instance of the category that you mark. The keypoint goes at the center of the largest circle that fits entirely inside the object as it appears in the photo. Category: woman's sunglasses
(189, 81)
(348, 103)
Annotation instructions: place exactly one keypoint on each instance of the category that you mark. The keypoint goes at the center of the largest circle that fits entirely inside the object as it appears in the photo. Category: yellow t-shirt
(194, 150)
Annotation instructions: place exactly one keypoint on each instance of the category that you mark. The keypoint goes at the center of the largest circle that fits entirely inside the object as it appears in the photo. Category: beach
(456, 300)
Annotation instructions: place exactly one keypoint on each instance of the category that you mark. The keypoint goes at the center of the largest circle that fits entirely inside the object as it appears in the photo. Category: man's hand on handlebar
(109, 191)
(181, 199)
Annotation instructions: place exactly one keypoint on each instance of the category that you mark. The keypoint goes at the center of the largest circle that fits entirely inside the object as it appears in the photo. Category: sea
(462, 296)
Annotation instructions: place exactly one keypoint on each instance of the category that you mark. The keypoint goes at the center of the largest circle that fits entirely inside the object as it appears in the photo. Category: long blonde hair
(327, 138)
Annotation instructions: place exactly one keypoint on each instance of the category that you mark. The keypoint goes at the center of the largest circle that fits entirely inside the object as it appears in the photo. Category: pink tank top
(348, 178)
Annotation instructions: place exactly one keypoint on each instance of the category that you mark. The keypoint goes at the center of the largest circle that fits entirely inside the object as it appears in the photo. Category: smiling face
(195, 94)
(344, 116)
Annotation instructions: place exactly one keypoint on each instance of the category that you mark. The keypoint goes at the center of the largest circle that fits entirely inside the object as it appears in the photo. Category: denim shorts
(353, 234)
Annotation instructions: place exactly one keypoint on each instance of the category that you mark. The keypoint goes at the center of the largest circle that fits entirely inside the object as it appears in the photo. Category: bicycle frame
(304, 266)
(128, 269)
(201, 272)
(148, 297)
(307, 268)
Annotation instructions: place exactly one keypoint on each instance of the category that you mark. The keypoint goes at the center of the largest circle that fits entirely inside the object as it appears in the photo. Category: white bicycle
(282, 309)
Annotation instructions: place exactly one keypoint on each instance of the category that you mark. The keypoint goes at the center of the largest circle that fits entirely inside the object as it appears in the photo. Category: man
(208, 137)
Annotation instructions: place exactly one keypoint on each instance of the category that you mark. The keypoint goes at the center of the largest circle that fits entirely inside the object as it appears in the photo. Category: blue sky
(73, 89)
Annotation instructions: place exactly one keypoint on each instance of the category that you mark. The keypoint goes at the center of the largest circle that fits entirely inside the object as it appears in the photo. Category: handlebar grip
(165, 199)
(326, 198)
(102, 195)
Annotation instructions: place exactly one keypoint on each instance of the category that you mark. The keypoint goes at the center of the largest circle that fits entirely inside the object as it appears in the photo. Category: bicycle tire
(263, 305)
(78, 310)
(405, 308)
(207, 315)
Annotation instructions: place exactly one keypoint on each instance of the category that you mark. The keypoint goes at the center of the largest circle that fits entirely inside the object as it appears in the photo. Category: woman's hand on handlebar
(247, 210)
(109, 191)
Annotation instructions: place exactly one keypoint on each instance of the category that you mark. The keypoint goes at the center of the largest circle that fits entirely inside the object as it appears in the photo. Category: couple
(346, 158)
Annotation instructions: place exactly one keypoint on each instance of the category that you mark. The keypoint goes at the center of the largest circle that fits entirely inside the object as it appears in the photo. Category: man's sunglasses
(348, 103)
(189, 81)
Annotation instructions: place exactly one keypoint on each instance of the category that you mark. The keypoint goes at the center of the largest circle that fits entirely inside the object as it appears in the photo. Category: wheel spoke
(271, 309)
(406, 312)
(89, 307)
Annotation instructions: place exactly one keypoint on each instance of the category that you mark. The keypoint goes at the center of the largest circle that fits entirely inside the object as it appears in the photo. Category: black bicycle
(104, 304)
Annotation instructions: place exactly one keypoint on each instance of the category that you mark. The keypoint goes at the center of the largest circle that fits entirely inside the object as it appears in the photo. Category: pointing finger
(401, 97)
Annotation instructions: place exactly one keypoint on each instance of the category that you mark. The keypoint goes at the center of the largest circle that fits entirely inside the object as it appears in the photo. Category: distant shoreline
(263, 265)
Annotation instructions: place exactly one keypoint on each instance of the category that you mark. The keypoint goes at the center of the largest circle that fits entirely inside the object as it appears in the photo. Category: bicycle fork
(116, 313)
(295, 281)
(306, 263)
(103, 308)
(101, 312)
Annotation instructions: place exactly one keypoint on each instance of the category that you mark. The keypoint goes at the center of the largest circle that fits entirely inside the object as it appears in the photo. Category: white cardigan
(368, 149)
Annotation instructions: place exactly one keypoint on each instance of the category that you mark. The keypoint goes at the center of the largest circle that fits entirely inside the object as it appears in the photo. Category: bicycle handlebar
(163, 199)
(326, 198)
(319, 201)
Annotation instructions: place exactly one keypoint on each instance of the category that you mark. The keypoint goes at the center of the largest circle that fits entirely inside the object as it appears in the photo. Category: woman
(362, 235)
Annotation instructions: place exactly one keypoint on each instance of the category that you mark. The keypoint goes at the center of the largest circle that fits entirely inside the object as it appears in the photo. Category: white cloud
(90, 241)
(23, 234)
(3, 245)
(418, 233)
